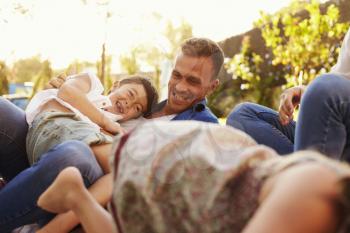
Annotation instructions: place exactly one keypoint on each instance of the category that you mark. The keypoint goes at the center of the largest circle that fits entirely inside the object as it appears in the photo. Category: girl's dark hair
(151, 91)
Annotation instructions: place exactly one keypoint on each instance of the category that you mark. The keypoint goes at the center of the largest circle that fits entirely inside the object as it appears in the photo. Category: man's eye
(176, 75)
(193, 81)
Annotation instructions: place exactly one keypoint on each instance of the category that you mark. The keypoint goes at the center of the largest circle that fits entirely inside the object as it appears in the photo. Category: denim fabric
(25, 184)
(323, 123)
(324, 118)
(13, 131)
(262, 124)
(52, 128)
(18, 198)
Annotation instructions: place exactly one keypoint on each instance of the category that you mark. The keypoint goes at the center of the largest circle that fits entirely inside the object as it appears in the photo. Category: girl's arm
(73, 91)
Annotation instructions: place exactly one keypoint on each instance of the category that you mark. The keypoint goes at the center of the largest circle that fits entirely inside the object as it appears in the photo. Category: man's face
(190, 81)
(128, 100)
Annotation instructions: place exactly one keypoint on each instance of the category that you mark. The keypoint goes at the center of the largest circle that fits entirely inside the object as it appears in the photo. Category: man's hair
(203, 47)
(151, 91)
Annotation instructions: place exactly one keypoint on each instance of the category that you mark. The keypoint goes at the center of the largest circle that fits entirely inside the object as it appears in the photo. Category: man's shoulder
(199, 112)
(205, 115)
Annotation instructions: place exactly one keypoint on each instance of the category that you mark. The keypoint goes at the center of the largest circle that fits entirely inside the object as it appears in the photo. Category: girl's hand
(111, 126)
(56, 82)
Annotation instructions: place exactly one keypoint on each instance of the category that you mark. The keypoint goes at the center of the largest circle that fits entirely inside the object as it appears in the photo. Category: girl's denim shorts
(52, 128)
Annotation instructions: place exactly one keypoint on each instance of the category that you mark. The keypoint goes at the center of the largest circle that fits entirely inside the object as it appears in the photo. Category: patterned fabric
(193, 177)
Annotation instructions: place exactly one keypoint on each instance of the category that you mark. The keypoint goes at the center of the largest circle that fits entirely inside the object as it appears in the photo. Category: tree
(175, 36)
(78, 66)
(302, 41)
(129, 62)
(107, 80)
(154, 56)
(4, 74)
(25, 70)
(308, 46)
(256, 85)
(43, 77)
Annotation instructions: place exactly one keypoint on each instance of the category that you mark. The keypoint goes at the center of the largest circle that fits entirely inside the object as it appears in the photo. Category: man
(194, 77)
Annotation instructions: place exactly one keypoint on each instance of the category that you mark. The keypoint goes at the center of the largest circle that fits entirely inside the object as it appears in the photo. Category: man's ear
(213, 85)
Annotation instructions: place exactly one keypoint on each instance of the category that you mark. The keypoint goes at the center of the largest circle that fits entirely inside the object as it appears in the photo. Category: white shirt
(130, 124)
(343, 64)
(94, 95)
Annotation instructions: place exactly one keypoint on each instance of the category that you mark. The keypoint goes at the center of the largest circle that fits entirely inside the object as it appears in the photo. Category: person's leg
(68, 193)
(18, 198)
(102, 154)
(324, 117)
(301, 199)
(101, 191)
(263, 124)
(13, 131)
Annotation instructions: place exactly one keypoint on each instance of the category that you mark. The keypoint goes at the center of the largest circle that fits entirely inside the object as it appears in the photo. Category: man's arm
(290, 99)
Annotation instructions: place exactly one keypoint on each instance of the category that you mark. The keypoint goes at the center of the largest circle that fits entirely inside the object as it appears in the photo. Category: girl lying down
(79, 111)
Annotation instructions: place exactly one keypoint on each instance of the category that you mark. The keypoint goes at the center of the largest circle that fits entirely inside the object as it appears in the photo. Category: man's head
(132, 97)
(194, 75)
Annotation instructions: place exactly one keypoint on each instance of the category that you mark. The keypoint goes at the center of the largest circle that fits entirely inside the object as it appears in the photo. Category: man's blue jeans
(25, 184)
(323, 123)
(262, 124)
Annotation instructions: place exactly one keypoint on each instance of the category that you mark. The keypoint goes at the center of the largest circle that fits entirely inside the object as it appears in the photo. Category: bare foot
(64, 192)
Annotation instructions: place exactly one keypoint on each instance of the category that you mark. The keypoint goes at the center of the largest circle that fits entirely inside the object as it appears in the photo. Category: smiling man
(194, 76)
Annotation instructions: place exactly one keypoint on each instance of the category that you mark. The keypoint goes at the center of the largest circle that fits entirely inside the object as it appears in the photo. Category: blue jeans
(25, 184)
(262, 124)
(324, 118)
(323, 122)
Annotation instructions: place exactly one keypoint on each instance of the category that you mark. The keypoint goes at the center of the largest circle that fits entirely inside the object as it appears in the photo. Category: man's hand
(290, 99)
(56, 82)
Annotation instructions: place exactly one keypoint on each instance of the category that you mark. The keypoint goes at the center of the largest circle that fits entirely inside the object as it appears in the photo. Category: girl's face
(128, 100)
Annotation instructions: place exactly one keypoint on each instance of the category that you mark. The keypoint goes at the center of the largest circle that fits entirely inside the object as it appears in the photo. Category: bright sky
(64, 30)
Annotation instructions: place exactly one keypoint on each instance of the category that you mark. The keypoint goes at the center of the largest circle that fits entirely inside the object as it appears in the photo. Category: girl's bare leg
(101, 190)
(300, 200)
(68, 193)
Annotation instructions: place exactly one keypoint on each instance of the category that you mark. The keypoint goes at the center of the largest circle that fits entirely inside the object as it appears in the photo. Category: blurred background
(268, 44)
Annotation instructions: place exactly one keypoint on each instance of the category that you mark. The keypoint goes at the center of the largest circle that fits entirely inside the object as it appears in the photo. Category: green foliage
(108, 81)
(255, 78)
(4, 77)
(153, 55)
(302, 42)
(25, 70)
(175, 36)
(308, 46)
(129, 62)
(78, 66)
(43, 77)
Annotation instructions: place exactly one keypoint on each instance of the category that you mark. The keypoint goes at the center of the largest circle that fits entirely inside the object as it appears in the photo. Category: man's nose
(181, 86)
